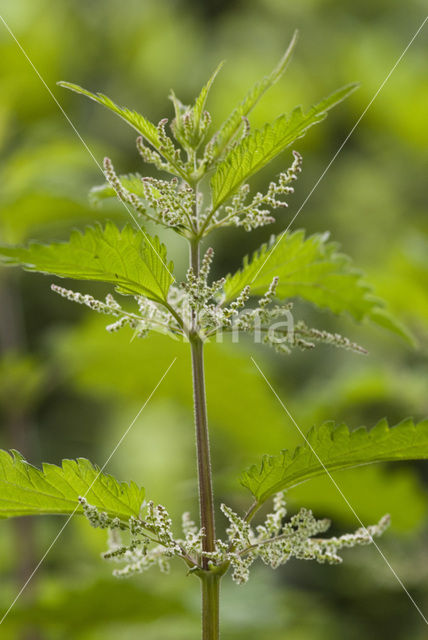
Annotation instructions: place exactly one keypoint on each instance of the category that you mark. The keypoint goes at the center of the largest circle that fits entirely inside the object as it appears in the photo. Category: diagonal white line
(58, 535)
(341, 146)
(42, 80)
(341, 492)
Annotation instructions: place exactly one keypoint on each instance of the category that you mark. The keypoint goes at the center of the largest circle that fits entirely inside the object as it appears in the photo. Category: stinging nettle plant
(209, 190)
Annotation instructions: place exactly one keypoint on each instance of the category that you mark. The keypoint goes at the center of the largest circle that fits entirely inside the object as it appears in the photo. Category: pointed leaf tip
(332, 447)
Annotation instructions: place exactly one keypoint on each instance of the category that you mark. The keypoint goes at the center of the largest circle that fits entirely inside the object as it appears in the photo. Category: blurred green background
(67, 388)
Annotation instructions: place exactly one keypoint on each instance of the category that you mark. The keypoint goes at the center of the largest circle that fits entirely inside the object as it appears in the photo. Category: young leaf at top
(146, 128)
(336, 448)
(26, 490)
(201, 100)
(199, 107)
(135, 119)
(230, 127)
(313, 269)
(131, 260)
(191, 124)
(257, 149)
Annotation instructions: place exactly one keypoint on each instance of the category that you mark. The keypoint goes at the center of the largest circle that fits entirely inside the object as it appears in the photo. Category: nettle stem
(210, 606)
(206, 503)
(210, 581)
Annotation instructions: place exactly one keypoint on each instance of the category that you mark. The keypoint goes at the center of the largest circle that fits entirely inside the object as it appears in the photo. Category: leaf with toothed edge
(26, 490)
(313, 269)
(261, 146)
(146, 128)
(137, 121)
(199, 106)
(230, 127)
(332, 447)
(131, 260)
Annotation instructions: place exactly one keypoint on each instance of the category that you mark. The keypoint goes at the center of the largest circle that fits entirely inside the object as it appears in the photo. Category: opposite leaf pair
(80, 488)
(136, 264)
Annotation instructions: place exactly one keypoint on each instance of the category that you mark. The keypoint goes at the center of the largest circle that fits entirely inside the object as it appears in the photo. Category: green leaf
(336, 448)
(131, 260)
(191, 134)
(200, 101)
(131, 182)
(146, 128)
(26, 490)
(230, 127)
(310, 268)
(257, 149)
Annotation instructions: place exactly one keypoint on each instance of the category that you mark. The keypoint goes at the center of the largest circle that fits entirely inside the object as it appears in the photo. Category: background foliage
(69, 389)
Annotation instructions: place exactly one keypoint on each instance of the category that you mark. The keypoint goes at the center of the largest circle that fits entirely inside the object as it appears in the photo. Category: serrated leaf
(26, 490)
(146, 128)
(229, 128)
(191, 134)
(257, 149)
(312, 269)
(336, 448)
(200, 101)
(131, 260)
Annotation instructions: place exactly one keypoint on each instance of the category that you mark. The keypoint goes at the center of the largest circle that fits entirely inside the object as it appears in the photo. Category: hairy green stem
(210, 581)
(203, 449)
(195, 255)
(210, 606)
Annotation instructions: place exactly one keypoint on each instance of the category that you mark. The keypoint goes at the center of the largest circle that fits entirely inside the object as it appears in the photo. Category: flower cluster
(150, 156)
(166, 156)
(205, 303)
(109, 307)
(200, 307)
(166, 145)
(173, 203)
(269, 324)
(258, 212)
(200, 298)
(273, 324)
(189, 126)
(276, 541)
(126, 196)
(150, 317)
(152, 542)
(306, 338)
(189, 129)
(169, 203)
